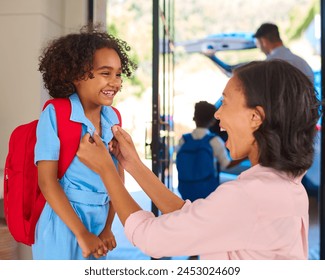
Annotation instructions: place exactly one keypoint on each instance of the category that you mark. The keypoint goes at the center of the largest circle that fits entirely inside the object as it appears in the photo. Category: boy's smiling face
(106, 81)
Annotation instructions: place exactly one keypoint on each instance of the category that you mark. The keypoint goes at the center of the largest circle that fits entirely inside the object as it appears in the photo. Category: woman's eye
(105, 73)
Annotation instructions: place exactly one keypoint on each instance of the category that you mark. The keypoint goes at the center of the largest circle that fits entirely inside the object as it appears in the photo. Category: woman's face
(239, 121)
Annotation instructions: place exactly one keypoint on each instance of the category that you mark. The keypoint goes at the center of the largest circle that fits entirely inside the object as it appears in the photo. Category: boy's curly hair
(70, 58)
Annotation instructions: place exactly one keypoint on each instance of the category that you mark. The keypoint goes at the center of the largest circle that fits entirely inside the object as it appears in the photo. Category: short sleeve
(47, 142)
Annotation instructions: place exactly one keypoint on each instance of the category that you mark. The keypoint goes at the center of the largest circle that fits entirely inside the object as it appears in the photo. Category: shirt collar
(254, 170)
(108, 118)
(279, 49)
(202, 130)
(77, 111)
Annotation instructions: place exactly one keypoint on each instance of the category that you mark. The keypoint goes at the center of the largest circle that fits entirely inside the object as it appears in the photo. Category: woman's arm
(96, 156)
(123, 148)
(56, 198)
(165, 200)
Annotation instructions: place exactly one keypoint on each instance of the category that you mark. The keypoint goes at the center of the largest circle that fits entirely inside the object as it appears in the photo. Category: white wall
(25, 27)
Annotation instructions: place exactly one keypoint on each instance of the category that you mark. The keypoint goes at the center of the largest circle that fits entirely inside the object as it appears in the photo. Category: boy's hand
(91, 244)
(108, 238)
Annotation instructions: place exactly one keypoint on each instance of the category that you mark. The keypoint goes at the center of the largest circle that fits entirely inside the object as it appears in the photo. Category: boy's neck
(94, 117)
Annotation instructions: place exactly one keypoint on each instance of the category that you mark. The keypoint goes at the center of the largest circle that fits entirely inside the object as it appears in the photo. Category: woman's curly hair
(287, 134)
(70, 58)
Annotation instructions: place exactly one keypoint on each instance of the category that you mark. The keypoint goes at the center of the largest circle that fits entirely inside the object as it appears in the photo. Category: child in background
(187, 163)
(87, 68)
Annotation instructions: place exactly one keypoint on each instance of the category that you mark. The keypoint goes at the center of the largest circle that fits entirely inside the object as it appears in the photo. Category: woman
(270, 112)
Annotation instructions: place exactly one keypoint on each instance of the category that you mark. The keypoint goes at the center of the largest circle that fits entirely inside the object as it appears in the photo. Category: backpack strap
(69, 133)
(117, 112)
(208, 137)
(188, 137)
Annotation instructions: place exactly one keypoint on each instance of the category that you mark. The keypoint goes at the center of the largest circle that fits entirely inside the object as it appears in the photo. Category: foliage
(298, 26)
(134, 82)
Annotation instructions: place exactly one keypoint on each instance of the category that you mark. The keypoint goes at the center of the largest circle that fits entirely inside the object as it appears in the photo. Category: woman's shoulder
(265, 183)
(258, 180)
(266, 174)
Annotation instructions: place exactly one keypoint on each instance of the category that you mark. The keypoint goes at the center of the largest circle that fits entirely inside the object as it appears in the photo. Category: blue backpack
(197, 172)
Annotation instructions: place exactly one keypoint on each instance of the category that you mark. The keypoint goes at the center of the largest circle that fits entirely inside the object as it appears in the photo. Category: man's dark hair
(70, 58)
(204, 113)
(269, 31)
(286, 136)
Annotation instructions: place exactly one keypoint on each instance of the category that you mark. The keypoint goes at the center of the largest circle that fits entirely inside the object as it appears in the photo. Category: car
(211, 44)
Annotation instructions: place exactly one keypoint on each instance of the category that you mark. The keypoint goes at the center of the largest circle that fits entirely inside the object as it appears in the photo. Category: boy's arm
(111, 211)
(56, 198)
(107, 235)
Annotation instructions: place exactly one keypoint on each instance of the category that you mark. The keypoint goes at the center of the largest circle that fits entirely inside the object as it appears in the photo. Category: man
(269, 41)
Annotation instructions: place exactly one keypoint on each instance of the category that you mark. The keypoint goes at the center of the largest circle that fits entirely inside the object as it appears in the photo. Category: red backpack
(23, 200)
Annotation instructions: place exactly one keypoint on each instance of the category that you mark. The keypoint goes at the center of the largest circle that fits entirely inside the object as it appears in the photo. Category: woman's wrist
(135, 167)
(106, 166)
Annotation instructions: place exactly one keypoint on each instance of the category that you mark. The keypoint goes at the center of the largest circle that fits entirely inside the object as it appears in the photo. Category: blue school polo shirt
(47, 146)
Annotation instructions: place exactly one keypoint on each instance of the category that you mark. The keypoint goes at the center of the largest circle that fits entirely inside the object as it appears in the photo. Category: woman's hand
(123, 148)
(93, 153)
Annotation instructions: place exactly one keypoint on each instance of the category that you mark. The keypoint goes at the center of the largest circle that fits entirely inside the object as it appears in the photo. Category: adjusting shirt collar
(108, 118)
